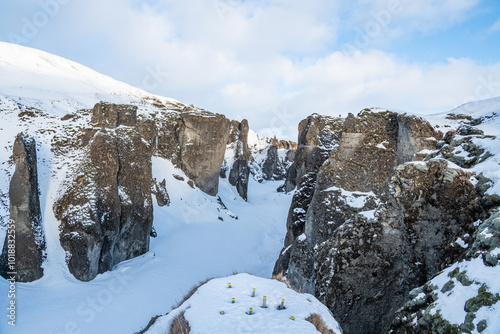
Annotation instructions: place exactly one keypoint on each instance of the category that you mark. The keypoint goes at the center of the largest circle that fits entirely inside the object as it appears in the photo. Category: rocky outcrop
(159, 190)
(279, 158)
(318, 136)
(368, 267)
(422, 314)
(240, 170)
(355, 176)
(196, 143)
(358, 265)
(25, 234)
(106, 213)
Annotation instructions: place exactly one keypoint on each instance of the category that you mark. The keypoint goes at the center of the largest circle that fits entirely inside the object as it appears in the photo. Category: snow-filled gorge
(197, 236)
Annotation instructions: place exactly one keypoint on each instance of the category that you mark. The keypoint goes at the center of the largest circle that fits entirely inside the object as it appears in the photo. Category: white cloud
(272, 62)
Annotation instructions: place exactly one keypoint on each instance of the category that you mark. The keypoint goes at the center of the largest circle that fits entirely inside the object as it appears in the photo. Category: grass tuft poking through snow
(320, 325)
(180, 325)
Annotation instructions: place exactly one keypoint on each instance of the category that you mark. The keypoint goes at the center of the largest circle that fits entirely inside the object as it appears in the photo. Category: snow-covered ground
(489, 112)
(203, 309)
(192, 245)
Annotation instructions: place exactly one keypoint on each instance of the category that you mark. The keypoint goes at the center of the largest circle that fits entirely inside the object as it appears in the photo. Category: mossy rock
(462, 278)
(484, 298)
(448, 286)
(481, 326)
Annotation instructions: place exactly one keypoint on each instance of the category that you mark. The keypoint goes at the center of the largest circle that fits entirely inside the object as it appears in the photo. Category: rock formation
(279, 158)
(368, 267)
(318, 136)
(196, 143)
(240, 170)
(106, 213)
(358, 265)
(25, 214)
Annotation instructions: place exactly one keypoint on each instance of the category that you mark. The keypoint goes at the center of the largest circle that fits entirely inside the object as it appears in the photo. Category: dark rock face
(26, 216)
(159, 189)
(270, 168)
(106, 214)
(196, 143)
(240, 170)
(366, 270)
(318, 136)
(277, 164)
(356, 176)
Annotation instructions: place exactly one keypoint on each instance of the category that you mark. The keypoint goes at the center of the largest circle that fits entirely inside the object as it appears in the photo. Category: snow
(486, 234)
(495, 252)
(370, 214)
(355, 199)
(381, 145)
(255, 143)
(202, 310)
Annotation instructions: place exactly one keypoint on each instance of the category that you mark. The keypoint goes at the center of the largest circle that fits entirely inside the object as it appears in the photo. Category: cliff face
(196, 143)
(341, 254)
(318, 136)
(106, 213)
(368, 267)
(25, 216)
(240, 170)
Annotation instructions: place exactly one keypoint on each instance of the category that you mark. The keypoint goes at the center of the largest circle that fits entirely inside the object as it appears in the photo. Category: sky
(274, 62)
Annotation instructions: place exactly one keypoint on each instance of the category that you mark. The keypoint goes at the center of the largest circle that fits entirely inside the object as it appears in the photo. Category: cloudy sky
(276, 61)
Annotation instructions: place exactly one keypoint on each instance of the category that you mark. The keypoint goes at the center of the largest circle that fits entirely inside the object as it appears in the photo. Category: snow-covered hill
(57, 85)
(211, 309)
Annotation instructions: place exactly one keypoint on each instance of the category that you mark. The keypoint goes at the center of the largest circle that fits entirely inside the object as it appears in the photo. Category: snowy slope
(57, 85)
(489, 112)
(203, 309)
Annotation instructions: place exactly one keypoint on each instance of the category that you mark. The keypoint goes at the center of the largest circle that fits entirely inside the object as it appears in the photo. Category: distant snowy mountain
(57, 85)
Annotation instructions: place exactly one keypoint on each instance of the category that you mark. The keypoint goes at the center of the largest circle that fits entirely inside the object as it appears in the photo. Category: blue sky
(276, 61)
